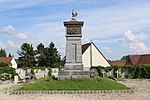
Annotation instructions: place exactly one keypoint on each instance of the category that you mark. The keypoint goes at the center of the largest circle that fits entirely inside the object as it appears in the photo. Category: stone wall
(39, 73)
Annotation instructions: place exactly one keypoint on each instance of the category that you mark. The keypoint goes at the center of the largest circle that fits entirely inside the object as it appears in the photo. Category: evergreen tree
(10, 55)
(125, 58)
(27, 56)
(41, 58)
(53, 56)
(2, 53)
(48, 56)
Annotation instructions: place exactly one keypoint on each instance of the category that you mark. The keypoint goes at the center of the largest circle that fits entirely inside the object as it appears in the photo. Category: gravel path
(141, 87)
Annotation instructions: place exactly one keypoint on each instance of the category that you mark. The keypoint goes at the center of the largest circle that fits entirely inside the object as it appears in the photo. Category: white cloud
(48, 32)
(114, 21)
(8, 44)
(139, 47)
(136, 41)
(108, 40)
(138, 37)
(107, 50)
(9, 29)
(2, 45)
(12, 31)
(11, 44)
(21, 36)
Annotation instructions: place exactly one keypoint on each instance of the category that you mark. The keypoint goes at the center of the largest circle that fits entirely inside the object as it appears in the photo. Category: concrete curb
(20, 92)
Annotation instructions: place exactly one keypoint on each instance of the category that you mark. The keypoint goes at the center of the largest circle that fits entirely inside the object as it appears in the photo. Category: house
(91, 56)
(143, 59)
(9, 60)
(118, 63)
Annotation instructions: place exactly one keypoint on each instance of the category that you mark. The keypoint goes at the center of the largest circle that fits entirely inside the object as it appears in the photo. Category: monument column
(73, 45)
(73, 65)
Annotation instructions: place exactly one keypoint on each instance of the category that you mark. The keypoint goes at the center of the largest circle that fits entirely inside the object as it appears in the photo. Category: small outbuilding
(9, 60)
(91, 56)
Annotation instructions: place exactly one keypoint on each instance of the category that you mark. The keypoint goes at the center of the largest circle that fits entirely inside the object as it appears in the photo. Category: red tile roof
(118, 62)
(5, 59)
(140, 59)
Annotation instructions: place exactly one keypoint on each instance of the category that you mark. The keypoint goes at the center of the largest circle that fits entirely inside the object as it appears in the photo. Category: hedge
(2, 64)
(136, 71)
(8, 70)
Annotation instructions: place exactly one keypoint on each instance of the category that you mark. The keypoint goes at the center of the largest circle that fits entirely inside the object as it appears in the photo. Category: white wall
(86, 59)
(13, 63)
(97, 58)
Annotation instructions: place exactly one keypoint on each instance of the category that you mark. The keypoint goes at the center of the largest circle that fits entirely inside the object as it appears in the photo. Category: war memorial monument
(73, 65)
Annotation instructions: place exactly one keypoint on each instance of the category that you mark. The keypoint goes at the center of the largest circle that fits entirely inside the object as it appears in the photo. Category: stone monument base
(73, 66)
(67, 74)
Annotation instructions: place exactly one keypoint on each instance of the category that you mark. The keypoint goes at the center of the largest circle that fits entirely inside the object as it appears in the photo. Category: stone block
(67, 74)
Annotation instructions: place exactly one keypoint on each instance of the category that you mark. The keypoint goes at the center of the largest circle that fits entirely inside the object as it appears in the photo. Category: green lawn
(75, 84)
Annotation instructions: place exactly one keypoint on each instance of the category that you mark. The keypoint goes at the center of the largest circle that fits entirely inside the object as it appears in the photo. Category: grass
(75, 84)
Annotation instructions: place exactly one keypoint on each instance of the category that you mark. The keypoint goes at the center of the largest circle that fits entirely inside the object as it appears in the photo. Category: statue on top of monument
(74, 15)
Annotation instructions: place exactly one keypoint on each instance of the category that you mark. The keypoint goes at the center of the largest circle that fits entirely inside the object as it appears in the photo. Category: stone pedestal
(67, 74)
(73, 65)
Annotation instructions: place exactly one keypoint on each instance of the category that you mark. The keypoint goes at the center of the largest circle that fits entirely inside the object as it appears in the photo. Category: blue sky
(117, 27)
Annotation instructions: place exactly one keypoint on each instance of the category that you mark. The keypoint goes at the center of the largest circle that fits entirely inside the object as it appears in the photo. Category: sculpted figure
(74, 15)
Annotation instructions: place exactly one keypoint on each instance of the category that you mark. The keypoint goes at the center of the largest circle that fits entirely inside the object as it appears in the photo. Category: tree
(40, 52)
(2, 64)
(45, 56)
(27, 56)
(2, 53)
(125, 58)
(48, 56)
(10, 55)
(53, 56)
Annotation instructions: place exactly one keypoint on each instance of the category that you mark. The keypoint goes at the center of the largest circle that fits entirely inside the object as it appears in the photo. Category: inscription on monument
(73, 51)
(73, 30)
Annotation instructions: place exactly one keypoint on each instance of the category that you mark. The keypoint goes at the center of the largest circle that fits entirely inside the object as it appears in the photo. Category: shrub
(50, 72)
(32, 71)
(135, 71)
(8, 70)
(2, 64)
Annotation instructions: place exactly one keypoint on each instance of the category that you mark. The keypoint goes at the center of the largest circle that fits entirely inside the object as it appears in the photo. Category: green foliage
(2, 53)
(10, 55)
(8, 70)
(50, 72)
(52, 56)
(45, 56)
(41, 55)
(75, 84)
(136, 71)
(125, 58)
(48, 56)
(32, 71)
(27, 56)
(42, 68)
(2, 64)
